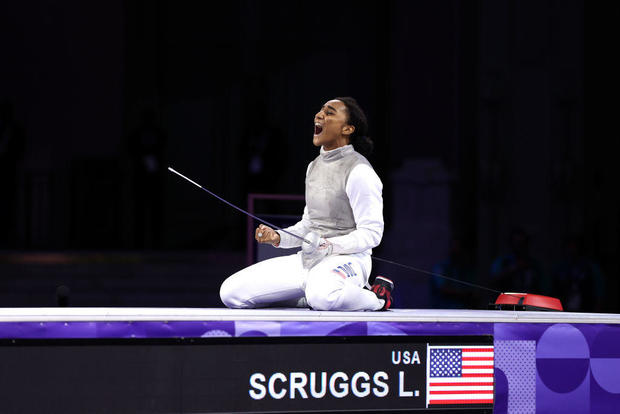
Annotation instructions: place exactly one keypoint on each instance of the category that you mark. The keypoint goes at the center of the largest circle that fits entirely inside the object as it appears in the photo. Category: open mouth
(317, 129)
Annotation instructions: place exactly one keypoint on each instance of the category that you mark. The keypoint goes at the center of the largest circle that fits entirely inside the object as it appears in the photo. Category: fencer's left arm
(301, 228)
(364, 189)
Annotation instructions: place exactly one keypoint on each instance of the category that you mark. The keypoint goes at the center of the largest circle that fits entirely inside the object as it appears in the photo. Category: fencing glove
(313, 252)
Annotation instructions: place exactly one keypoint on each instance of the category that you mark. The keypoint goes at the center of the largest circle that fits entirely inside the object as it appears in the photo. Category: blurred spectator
(147, 148)
(447, 294)
(577, 280)
(11, 152)
(517, 271)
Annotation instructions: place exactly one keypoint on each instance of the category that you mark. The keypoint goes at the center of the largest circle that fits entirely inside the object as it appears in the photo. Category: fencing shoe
(383, 288)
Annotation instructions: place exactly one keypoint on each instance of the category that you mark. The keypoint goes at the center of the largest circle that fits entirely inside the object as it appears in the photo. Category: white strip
(428, 372)
(223, 314)
(462, 388)
(461, 397)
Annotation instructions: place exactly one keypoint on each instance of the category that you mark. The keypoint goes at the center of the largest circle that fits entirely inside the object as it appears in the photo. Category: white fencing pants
(336, 283)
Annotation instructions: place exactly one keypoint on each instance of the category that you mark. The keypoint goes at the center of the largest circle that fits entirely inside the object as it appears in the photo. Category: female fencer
(342, 222)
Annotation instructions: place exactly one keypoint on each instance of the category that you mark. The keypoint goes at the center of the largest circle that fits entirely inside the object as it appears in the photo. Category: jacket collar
(337, 153)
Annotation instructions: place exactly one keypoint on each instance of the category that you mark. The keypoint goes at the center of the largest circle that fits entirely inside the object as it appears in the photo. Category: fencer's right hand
(265, 234)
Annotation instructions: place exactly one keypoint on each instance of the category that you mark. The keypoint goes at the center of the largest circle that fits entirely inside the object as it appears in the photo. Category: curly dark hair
(359, 138)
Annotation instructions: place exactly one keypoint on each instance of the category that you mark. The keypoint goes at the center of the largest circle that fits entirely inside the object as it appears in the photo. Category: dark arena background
(110, 266)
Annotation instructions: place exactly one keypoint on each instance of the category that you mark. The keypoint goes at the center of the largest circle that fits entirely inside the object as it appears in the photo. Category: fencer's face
(330, 126)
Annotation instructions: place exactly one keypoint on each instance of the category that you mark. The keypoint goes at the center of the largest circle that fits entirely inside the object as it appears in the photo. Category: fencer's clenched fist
(265, 234)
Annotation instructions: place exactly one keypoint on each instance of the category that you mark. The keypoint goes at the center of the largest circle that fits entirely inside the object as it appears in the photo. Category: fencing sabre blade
(238, 208)
(306, 241)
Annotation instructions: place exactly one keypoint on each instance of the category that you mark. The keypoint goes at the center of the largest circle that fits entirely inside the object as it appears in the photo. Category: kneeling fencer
(342, 222)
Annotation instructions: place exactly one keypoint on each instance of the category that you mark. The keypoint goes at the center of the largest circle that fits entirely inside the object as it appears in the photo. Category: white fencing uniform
(345, 206)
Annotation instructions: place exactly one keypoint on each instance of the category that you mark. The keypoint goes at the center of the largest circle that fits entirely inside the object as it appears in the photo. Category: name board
(253, 375)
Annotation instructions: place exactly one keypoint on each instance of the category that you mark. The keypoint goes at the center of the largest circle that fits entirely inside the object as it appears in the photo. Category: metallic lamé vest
(327, 201)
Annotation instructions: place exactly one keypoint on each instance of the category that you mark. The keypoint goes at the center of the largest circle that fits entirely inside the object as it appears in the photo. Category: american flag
(459, 375)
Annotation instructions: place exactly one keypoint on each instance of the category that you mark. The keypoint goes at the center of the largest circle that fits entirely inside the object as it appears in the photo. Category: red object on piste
(527, 301)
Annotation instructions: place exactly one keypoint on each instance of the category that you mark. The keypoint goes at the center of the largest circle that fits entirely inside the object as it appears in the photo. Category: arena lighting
(526, 301)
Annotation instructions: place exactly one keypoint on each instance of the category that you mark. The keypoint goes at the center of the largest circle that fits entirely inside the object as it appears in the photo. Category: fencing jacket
(343, 203)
